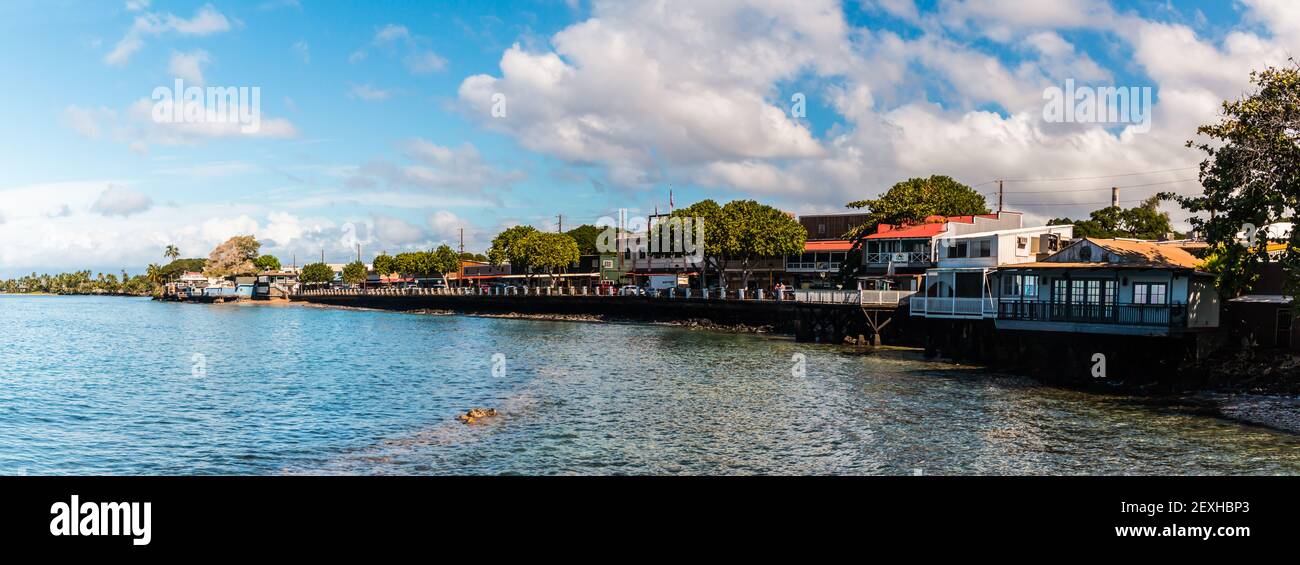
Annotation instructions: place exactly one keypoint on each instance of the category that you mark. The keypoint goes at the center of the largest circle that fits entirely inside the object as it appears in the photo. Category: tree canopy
(233, 257)
(585, 236)
(383, 264)
(316, 273)
(267, 263)
(549, 253)
(1251, 177)
(752, 231)
(500, 252)
(1144, 221)
(715, 233)
(912, 200)
(354, 273)
(445, 260)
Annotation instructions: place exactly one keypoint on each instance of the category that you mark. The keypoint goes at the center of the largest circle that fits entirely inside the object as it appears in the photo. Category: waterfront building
(897, 257)
(275, 285)
(963, 283)
(1108, 286)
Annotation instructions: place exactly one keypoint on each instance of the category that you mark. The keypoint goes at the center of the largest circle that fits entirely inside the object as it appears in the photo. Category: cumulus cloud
(688, 90)
(121, 201)
(398, 231)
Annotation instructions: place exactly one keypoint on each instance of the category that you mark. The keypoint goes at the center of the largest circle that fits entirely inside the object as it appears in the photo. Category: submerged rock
(476, 414)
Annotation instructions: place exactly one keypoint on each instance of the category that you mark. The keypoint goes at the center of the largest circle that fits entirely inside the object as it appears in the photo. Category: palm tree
(172, 252)
(155, 276)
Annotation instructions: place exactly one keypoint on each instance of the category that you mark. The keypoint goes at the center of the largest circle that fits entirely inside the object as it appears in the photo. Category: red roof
(886, 231)
(828, 245)
(933, 225)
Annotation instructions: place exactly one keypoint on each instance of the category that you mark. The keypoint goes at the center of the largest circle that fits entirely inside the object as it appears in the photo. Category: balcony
(950, 307)
(900, 258)
(1153, 315)
(813, 267)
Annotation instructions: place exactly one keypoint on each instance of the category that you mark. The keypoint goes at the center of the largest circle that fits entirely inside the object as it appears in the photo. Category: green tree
(267, 263)
(383, 265)
(354, 273)
(715, 233)
(500, 252)
(549, 253)
(1144, 221)
(445, 261)
(913, 200)
(467, 256)
(1251, 177)
(754, 231)
(585, 236)
(233, 257)
(316, 274)
(171, 252)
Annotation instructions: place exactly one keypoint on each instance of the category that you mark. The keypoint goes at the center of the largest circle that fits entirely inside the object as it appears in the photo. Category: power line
(1060, 179)
(1100, 187)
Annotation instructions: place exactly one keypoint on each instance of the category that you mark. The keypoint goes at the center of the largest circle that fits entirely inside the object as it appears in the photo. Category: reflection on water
(105, 385)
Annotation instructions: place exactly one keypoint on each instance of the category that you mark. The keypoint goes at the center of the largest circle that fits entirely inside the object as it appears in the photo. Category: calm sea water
(128, 386)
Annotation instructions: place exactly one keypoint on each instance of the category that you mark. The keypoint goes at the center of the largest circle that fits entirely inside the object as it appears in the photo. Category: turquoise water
(128, 386)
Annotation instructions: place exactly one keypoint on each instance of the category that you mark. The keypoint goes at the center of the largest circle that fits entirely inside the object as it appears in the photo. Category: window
(959, 250)
(1150, 293)
(821, 229)
(1059, 289)
(985, 247)
(1022, 243)
(1020, 285)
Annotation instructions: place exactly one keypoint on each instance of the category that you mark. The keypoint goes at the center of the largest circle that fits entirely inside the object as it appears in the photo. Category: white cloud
(189, 66)
(424, 62)
(368, 93)
(396, 39)
(136, 127)
(398, 231)
(435, 167)
(206, 21)
(120, 201)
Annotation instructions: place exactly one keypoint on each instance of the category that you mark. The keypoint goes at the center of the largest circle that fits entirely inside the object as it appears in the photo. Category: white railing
(939, 307)
(909, 258)
(851, 296)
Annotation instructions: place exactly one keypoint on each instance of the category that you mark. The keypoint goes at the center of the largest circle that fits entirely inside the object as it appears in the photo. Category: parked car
(631, 290)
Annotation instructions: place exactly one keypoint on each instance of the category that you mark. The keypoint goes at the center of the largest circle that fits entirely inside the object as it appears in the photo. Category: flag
(670, 200)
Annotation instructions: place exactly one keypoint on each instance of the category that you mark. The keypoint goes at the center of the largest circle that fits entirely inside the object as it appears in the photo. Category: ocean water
(92, 385)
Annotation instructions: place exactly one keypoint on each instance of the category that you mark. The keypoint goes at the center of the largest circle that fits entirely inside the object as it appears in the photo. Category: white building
(963, 285)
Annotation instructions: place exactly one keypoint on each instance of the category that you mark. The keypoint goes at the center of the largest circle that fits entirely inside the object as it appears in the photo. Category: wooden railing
(1169, 315)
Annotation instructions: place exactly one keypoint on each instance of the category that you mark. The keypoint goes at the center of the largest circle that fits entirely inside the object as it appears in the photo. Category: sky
(396, 126)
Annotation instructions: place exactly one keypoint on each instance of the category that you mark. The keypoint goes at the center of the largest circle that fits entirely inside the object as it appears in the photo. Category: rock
(476, 414)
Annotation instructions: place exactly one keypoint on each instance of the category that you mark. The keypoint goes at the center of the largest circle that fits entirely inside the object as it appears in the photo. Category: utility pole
(999, 195)
(358, 252)
(559, 222)
(1114, 197)
(462, 241)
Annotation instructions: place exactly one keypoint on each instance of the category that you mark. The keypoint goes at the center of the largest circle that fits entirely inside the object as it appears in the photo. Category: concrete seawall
(780, 316)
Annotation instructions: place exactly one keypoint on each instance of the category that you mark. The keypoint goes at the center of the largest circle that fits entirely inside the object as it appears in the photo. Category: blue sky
(378, 128)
